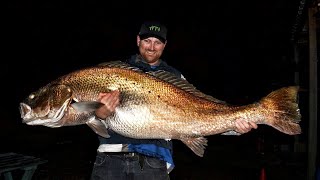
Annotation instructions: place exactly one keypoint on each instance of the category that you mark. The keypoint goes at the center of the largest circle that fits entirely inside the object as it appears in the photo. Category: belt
(124, 154)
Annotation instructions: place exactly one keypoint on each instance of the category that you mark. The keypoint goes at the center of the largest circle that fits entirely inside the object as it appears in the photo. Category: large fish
(153, 105)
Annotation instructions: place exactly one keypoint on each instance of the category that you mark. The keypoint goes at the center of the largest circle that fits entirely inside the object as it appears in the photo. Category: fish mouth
(32, 118)
(24, 110)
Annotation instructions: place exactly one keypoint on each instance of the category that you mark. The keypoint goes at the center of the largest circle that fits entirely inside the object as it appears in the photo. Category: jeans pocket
(100, 159)
(155, 163)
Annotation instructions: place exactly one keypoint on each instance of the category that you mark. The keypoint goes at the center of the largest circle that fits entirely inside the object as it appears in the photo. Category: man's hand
(244, 126)
(110, 100)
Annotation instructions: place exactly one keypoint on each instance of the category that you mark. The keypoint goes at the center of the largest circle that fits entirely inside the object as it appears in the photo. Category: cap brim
(145, 36)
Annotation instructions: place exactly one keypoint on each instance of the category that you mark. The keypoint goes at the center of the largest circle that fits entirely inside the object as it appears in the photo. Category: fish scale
(153, 105)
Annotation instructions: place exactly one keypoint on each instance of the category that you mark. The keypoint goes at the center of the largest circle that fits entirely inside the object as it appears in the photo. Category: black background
(237, 51)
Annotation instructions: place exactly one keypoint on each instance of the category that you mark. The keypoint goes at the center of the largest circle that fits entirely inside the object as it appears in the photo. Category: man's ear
(138, 40)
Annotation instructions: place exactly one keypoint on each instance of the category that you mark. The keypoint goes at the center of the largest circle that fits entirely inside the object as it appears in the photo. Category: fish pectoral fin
(197, 145)
(86, 106)
(98, 127)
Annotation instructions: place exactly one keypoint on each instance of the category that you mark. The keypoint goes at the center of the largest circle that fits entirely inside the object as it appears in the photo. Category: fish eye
(31, 96)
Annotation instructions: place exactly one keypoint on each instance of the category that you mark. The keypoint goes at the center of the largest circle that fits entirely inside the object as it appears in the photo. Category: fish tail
(283, 111)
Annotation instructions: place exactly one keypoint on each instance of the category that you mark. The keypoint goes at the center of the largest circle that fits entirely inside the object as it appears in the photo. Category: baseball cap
(153, 29)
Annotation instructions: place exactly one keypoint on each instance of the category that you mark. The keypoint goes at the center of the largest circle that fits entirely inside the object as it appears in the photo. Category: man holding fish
(120, 157)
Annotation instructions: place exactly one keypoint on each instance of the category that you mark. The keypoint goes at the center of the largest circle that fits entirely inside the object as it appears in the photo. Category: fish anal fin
(197, 145)
(98, 127)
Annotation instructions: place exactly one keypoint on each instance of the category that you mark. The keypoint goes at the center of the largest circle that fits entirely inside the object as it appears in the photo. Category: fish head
(46, 106)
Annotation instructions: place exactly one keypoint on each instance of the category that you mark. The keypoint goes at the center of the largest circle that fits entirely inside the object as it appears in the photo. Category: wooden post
(313, 91)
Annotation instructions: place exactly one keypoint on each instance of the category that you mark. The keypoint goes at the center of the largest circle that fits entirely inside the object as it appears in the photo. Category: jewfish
(153, 105)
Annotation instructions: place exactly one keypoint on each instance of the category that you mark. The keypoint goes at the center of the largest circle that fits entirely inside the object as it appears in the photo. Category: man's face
(151, 49)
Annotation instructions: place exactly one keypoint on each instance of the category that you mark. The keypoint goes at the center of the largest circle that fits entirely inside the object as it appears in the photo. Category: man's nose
(152, 46)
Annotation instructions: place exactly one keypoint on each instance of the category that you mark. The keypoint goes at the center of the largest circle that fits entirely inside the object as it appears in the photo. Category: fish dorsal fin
(182, 84)
(119, 64)
(165, 76)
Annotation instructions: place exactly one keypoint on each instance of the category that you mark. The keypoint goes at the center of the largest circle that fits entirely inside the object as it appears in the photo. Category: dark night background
(237, 51)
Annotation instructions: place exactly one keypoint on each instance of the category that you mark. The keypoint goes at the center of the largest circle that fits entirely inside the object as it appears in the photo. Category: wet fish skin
(154, 105)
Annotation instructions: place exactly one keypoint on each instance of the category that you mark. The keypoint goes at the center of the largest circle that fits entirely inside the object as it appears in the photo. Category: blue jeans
(124, 167)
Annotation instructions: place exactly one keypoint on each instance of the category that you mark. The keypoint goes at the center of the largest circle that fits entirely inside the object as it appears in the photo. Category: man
(120, 157)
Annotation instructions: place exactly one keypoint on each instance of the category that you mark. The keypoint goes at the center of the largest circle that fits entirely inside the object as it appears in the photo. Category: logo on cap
(155, 28)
